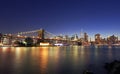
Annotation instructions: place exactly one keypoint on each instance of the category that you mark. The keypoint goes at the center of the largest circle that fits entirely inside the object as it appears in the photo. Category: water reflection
(18, 53)
(44, 59)
(55, 60)
(4, 49)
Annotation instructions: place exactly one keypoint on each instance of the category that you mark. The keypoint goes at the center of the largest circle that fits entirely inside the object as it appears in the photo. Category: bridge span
(38, 36)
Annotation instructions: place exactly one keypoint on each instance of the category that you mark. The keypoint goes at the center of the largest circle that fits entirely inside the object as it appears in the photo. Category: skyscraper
(85, 37)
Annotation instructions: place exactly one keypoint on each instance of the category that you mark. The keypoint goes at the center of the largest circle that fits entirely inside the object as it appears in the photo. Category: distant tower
(66, 37)
(75, 37)
(81, 33)
(85, 37)
(41, 33)
(90, 39)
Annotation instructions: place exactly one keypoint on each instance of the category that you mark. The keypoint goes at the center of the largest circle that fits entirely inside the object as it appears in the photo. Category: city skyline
(61, 17)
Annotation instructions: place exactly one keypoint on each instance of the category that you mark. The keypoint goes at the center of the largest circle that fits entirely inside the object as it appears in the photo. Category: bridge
(38, 36)
(40, 33)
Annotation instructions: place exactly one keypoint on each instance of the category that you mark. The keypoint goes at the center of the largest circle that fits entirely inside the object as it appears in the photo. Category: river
(56, 60)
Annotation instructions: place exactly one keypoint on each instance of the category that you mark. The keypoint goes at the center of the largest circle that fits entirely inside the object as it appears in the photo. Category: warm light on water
(55, 60)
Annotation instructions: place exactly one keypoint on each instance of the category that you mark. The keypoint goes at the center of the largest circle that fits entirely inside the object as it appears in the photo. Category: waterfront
(55, 60)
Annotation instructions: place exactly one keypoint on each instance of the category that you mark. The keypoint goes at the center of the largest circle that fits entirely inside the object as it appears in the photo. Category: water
(55, 60)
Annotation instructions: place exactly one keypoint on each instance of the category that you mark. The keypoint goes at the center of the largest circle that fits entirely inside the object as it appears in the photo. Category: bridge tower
(41, 33)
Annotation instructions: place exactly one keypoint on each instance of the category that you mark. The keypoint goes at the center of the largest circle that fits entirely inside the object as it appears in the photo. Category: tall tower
(85, 37)
(81, 33)
(41, 34)
(75, 37)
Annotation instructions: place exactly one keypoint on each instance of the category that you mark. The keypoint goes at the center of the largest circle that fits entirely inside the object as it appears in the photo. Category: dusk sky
(61, 16)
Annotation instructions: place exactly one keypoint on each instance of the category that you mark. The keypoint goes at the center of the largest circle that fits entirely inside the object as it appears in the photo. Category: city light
(58, 44)
(44, 44)
(44, 38)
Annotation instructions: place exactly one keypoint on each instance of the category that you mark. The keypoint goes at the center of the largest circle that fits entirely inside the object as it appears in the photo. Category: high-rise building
(81, 34)
(112, 39)
(85, 37)
(74, 37)
(66, 37)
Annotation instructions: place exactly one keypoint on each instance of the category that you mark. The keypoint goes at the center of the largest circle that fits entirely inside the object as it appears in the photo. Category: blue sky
(61, 16)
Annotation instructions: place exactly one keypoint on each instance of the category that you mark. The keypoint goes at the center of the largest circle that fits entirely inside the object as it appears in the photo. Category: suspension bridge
(38, 36)
(40, 33)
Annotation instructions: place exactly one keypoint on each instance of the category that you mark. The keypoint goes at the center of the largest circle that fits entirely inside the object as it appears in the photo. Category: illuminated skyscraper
(85, 37)
(76, 37)
(81, 33)
(112, 39)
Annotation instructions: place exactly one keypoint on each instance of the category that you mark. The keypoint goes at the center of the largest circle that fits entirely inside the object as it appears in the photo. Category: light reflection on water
(55, 60)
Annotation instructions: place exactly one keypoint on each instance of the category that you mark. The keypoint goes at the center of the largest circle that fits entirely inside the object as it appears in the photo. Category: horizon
(92, 37)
